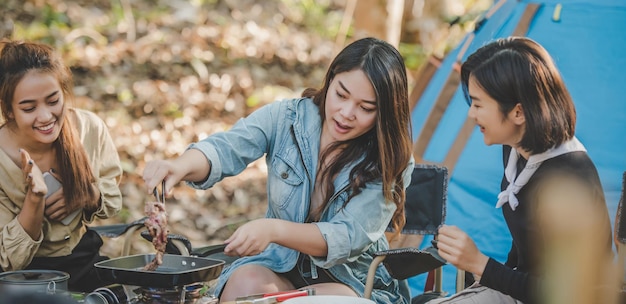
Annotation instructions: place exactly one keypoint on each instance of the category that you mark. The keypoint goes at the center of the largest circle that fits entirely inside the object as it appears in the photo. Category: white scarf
(534, 161)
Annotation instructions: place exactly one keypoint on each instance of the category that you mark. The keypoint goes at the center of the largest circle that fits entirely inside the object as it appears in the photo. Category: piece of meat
(157, 226)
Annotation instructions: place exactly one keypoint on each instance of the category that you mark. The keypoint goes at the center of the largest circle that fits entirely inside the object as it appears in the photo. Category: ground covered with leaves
(165, 73)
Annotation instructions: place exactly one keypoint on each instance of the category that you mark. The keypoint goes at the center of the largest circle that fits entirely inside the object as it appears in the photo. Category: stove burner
(177, 295)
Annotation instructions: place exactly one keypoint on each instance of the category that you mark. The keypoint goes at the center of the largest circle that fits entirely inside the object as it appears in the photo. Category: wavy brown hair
(383, 152)
(17, 58)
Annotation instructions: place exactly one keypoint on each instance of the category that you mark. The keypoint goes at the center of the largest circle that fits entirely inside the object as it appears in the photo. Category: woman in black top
(519, 100)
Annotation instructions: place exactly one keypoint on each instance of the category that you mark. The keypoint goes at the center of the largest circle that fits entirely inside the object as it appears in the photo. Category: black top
(517, 277)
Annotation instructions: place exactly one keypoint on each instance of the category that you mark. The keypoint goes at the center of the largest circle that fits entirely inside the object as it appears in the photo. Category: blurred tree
(418, 27)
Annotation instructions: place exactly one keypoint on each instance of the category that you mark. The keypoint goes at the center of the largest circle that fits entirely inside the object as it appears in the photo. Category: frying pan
(176, 270)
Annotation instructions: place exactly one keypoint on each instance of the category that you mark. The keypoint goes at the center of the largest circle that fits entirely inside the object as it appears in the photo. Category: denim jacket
(287, 132)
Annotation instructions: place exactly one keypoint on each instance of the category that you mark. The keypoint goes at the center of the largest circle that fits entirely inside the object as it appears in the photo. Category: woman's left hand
(56, 208)
(251, 238)
(456, 247)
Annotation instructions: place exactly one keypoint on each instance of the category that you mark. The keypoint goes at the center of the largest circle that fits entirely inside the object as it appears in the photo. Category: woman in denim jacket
(339, 159)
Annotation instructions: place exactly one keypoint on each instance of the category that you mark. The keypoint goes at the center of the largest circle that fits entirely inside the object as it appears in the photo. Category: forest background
(165, 73)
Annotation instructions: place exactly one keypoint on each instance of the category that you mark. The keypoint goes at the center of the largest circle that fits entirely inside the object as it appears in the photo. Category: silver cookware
(27, 281)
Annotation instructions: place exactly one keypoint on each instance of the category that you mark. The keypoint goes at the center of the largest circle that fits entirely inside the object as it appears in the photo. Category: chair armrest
(371, 273)
(403, 263)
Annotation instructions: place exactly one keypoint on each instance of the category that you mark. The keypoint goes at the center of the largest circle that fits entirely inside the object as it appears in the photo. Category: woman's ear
(517, 115)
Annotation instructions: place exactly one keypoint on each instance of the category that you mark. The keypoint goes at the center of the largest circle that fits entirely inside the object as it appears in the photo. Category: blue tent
(587, 39)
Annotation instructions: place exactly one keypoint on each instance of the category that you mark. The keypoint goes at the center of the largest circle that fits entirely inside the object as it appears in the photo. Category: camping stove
(190, 294)
(125, 294)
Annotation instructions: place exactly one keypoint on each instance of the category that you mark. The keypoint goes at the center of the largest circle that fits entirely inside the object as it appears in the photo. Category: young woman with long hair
(339, 160)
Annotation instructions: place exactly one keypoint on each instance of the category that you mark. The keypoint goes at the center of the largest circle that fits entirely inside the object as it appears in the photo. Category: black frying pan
(176, 270)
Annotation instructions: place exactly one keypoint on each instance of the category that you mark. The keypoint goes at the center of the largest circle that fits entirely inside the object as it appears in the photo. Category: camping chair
(425, 210)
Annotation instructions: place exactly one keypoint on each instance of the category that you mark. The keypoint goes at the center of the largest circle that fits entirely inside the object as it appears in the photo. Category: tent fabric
(587, 40)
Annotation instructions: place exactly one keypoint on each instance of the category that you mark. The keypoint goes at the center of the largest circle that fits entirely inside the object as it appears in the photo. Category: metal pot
(28, 281)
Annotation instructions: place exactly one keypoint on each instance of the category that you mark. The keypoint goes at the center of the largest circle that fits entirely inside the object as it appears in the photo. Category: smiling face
(351, 107)
(37, 109)
(497, 128)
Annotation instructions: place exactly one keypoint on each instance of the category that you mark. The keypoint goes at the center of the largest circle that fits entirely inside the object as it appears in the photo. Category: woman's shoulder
(297, 104)
(575, 159)
(292, 108)
(84, 114)
(573, 163)
(86, 119)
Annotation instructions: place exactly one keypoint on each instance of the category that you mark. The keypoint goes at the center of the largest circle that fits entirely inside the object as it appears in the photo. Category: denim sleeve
(357, 226)
(349, 232)
(231, 151)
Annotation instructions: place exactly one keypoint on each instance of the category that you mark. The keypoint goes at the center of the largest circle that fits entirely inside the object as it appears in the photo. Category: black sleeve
(511, 260)
(506, 280)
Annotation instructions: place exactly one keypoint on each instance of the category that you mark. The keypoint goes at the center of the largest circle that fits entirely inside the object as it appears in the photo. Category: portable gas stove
(180, 280)
(126, 294)
(190, 294)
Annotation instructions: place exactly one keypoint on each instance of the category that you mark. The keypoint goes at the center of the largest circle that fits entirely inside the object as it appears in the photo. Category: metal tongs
(275, 297)
(155, 192)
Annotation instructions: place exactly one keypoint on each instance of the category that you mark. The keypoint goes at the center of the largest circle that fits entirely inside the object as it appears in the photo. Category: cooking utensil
(46, 281)
(155, 192)
(274, 297)
(176, 270)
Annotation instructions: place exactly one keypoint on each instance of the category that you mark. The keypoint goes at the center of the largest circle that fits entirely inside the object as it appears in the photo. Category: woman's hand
(251, 238)
(460, 250)
(190, 166)
(56, 208)
(31, 215)
(159, 170)
(36, 187)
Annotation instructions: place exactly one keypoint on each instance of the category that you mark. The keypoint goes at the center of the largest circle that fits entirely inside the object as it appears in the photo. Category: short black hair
(518, 70)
